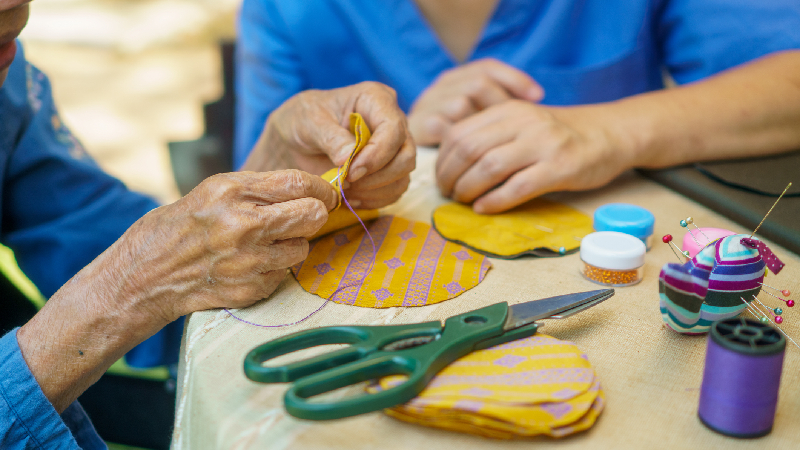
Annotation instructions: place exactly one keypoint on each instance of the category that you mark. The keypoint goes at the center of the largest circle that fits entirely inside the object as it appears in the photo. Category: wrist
(76, 337)
(607, 127)
(634, 125)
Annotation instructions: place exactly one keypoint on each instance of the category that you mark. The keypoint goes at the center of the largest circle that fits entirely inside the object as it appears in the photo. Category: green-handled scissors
(418, 351)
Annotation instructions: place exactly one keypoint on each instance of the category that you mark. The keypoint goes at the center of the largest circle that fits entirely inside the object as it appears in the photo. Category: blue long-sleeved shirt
(580, 51)
(58, 211)
(27, 419)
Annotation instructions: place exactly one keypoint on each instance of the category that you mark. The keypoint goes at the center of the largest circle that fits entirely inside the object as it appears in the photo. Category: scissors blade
(557, 307)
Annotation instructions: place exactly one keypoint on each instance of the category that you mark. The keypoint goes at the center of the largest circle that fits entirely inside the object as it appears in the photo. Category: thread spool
(739, 394)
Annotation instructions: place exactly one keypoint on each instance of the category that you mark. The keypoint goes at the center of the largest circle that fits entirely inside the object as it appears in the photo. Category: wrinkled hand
(226, 244)
(463, 91)
(310, 131)
(516, 151)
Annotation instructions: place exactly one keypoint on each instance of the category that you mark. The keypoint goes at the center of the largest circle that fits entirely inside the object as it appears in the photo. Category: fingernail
(344, 153)
(535, 93)
(356, 174)
(355, 203)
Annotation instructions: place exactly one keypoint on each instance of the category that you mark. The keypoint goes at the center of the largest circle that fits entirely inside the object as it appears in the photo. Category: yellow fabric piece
(529, 387)
(498, 429)
(539, 227)
(413, 266)
(342, 217)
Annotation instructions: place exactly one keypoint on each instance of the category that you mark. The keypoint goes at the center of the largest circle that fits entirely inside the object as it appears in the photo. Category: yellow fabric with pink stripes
(413, 266)
(533, 386)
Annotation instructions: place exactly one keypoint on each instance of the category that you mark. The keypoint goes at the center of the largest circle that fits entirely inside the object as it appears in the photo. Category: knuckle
(461, 106)
(222, 185)
(374, 86)
(297, 181)
(465, 150)
(316, 212)
(294, 250)
(521, 186)
(489, 63)
(446, 75)
(491, 165)
(479, 84)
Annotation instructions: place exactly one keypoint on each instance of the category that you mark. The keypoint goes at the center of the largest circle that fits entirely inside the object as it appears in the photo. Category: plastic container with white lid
(612, 258)
(626, 218)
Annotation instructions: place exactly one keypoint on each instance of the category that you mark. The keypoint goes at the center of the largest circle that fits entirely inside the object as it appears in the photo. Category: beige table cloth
(650, 374)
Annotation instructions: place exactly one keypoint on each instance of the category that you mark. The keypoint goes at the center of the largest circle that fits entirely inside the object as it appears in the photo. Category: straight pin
(754, 311)
(685, 224)
(776, 326)
(788, 302)
(690, 221)
(770, 210)
(667, 239)
(785, 292)
(778, 317)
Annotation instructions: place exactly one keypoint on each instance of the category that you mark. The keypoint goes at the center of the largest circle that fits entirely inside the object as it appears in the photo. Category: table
(650, 374)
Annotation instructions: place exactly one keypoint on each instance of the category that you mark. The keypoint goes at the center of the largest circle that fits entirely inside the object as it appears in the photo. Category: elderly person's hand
(226, 244)
(463, 91)
(310, 131)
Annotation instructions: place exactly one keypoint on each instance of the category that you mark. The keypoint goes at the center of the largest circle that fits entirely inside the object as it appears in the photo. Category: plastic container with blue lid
(626, 218)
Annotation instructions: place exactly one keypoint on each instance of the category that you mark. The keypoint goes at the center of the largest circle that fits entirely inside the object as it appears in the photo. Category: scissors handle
(363, 341)
(461, 335)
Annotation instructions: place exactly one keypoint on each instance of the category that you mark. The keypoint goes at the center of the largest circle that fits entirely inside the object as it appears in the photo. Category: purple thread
(371, 265)
(739, 393)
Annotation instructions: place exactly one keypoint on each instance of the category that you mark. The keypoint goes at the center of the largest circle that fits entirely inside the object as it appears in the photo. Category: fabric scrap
(540, 227)
(414, 266)
(533, 386)
(339, 217)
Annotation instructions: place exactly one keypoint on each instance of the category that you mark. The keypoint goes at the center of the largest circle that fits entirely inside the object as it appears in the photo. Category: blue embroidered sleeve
(58, 209)
(27, 419)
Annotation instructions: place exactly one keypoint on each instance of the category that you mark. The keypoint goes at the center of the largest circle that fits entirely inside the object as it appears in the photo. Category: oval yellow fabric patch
(532, 386)
(414, 266)
(539, 227)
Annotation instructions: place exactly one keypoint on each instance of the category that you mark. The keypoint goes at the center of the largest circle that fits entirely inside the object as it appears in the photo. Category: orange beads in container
(612, 258)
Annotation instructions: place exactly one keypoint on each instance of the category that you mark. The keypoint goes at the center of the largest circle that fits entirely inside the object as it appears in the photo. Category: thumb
(332, 139)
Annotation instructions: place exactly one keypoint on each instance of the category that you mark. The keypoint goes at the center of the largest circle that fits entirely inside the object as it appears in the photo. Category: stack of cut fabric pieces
(533, 386)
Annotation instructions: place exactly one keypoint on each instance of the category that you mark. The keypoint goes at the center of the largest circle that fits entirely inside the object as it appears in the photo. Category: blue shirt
(58, 211)
(580, 51)
(27, 419)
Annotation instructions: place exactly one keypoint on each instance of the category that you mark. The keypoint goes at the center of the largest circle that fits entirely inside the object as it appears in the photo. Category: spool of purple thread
(739, 394)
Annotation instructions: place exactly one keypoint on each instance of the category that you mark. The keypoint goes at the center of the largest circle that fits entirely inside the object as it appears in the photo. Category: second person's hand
(516, 151)
(463, 91)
